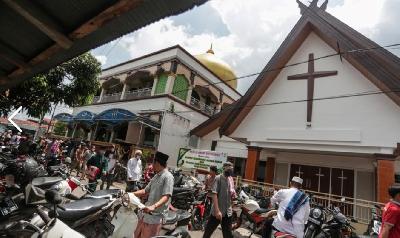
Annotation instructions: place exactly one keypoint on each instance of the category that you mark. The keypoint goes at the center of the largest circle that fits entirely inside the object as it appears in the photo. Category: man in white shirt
(134, 170)
(294, 208)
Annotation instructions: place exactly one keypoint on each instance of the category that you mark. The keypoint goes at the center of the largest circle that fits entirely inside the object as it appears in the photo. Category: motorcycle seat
(170, 218)
(75, 210)
(261, 210)
(105, 193)
(177, 190)
(45, 181)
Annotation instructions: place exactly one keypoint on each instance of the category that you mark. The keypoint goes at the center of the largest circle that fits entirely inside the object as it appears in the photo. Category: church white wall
(347, 124)
(224, 144)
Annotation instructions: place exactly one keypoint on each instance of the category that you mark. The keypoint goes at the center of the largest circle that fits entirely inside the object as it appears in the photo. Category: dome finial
(210, 50)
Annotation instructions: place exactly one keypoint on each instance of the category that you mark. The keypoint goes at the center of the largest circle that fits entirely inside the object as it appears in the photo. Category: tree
(73, 83)
(60, 128)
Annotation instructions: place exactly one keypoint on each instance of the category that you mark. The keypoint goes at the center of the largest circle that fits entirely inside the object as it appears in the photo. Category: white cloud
(101, 58)
(256, 29)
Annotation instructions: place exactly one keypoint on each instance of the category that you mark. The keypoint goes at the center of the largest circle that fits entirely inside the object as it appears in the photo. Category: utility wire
(299, 63)
(367, 93)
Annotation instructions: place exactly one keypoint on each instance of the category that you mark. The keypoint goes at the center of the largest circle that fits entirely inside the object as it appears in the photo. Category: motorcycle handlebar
(43, 215)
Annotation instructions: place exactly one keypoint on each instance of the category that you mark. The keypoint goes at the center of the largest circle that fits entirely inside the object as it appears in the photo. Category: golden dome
(218, 66)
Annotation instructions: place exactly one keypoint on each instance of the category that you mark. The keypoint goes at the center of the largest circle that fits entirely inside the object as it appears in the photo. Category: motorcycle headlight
(316, 213)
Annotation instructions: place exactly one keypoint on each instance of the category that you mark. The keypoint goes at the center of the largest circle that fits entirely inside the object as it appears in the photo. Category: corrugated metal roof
(24, 41)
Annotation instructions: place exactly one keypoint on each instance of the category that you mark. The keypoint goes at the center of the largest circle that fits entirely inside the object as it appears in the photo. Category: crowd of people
(98, 163)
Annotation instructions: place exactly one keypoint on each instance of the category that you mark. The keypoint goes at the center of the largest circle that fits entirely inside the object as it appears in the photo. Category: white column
(101, 94)
(95, 131)
(66, 132)
(170, 84)
(112, 136)
(153, 89)
(89, 135)
(189, 95)
(123, 92)
(73, 132)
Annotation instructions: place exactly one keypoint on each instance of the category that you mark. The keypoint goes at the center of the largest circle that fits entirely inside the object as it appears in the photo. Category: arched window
(180, 88)
(161, 84)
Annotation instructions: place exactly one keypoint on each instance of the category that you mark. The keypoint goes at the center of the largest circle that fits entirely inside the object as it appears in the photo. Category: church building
(326, 107)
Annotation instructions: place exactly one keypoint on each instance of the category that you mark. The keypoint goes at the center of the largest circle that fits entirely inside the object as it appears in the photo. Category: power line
(367, 93)
(299, 63)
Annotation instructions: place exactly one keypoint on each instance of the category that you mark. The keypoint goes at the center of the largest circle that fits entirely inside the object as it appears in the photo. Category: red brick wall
(385, 178)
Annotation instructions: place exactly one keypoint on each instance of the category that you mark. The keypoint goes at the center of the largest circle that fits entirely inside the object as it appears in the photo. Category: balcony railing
(202, 106)
(139, 93)
(111, 97)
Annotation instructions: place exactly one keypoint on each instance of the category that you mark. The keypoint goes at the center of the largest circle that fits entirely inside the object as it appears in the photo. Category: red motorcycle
(201, 210)
(248, 210)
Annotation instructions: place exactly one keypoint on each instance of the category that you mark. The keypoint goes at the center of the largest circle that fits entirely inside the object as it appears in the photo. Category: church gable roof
(380, 66)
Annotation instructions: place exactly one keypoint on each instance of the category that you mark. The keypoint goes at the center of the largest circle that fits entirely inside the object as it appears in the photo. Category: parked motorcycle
(201, 210)
(374, 226)
(248, 210)
(337, 225)
(90, 216)
(315, 221)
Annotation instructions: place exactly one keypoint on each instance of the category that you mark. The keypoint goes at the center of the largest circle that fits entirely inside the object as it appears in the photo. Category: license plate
(7, 206)
(314, 221)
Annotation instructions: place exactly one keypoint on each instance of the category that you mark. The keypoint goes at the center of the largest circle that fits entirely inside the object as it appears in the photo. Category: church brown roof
(377, 64)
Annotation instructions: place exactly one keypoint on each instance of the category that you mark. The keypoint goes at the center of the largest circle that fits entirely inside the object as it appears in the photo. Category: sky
(246, 33)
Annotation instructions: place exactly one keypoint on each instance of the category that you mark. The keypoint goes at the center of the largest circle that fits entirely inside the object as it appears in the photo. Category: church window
(161, 84)
(180, 89)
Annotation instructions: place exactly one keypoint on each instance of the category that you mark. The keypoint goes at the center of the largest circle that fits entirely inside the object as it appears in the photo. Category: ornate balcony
(139, 93)
(111, 97)
(202, 106)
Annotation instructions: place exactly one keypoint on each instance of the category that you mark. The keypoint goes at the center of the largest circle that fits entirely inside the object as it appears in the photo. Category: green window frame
(161, 84)
(181, 86)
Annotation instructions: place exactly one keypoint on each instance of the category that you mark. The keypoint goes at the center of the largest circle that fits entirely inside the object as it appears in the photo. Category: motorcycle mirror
(52, 197)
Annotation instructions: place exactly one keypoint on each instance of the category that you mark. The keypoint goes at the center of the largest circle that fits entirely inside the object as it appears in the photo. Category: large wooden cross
(310, 76)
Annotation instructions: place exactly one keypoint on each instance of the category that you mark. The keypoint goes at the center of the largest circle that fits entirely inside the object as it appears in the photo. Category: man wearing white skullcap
(134, 170)
(293, 211)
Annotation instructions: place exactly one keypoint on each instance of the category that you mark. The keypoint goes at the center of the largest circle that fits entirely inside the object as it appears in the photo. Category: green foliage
(73, 83)
(60, 128)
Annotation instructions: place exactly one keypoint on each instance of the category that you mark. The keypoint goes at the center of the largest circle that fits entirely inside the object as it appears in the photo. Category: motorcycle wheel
(236, 221)
(196, 220)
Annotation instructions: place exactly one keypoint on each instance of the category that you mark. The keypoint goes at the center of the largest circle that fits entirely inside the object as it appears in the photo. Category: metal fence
(358, 209)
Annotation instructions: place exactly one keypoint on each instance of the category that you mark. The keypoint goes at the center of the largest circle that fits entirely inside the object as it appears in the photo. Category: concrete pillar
(153, 89)
(189, 97)
(170, 84)
(270, 170)
(89, 135)
(102, 94)
(112, 135)
(123, 92)
(253, 156)
(385, 173)
(73, 132)
(95, 132)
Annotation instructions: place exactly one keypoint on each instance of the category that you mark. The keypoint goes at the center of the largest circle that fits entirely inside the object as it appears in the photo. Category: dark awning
(65, 117)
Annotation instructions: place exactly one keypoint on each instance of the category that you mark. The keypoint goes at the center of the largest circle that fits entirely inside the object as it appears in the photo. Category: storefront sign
(200, 159)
